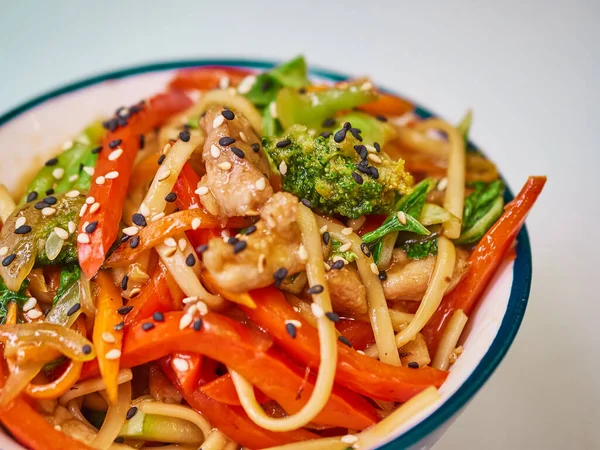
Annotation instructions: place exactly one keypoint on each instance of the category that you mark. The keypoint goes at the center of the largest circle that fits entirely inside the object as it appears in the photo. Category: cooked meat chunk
(407, 279)
(236, 167)
(348, 294)
(250, 261)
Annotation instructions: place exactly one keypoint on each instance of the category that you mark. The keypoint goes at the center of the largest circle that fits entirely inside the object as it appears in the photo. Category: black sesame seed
(73, 309)
(49, 192)
(238, 152)
(325, 134)
(382, 275)
(280, 275)
(119, 326)
(171, 197)
(283, 144)
(332, 316)
(413, 365)
(327, 123)
(32, 196)
(302, 91)
(142, 141)
(41, 205)
(239, 246)
(198, 324)
(265, 85)
(225, 141)
(161, 159)
(228, 114)
(134, 242)
(255, 147)
(190, 260)
(357, 177)
(338, 264)
(114, 143)
(119, 440)
(365, 249)
(80, 167)
(131, 412)
(91, 227)
(251, 229)
(111, 124)
(86, 349)
(124, 310)
(356, 133)
(316, 289)
(339, 135)
(52, 162)
(124, 282)
(344, 340)
(122, 121)
(158, 316)
(201, 249)
(139, 220)
(9, 259)
(23, 229)
(50, 200)
(96, 150)
(374, 172)
(347, 126)
(125, 238)
(377, 146)
(147, 326)
(326, 238)
(291, 329)
(184, 136)
(364, 168)
(381, 118)
(361, 150)
(305, 202)
(232, 240)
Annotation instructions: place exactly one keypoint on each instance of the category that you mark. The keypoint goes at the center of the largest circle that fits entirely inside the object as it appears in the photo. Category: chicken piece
(273, 246)
(407, 279)
(348, 294)
(236, 167)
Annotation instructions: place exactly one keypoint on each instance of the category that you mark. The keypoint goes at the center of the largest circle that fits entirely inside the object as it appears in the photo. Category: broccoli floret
(326, 173)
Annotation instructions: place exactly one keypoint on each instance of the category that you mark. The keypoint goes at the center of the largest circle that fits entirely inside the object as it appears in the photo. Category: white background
(531, 73)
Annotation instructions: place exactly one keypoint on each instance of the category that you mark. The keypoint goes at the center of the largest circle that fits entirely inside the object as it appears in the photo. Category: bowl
(32, 131)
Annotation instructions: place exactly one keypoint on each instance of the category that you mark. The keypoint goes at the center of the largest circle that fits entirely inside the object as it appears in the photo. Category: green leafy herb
(482, 208)
(69, 275)
(421, 249)
(348, 255)
(7, 296)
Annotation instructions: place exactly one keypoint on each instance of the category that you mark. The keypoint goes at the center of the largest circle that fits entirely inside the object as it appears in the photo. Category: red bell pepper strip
(189, 377)
(111, 194)
(247, 352)
(208, 77)
(484, 261)
(232, 420)
(360, 334)
(223, 390)
(355, 371)
(373, 222)
(388, 105)
(155, 297)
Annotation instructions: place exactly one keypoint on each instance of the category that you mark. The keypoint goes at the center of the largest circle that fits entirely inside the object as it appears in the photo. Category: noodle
(178, 411)
(327, 341)
(75, 410)
(449, 340)
(216, 440)
(115, 418)
(92, 385)
(455, 192)
(378, 309)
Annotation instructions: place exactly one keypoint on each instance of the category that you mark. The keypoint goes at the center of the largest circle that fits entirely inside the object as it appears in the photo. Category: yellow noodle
(115, 418)
(449, 340)
(92, 385)
(216, 440)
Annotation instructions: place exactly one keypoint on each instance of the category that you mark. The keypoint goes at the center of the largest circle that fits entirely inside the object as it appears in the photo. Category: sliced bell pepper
(484, 261)
(355, 371)
(388, 105)
(208, 77)
(232, 420)
(223, 390)
(372, 222)
(360, 334)
(189, 375)
(110, 194)
(247, 352)
(155, 297)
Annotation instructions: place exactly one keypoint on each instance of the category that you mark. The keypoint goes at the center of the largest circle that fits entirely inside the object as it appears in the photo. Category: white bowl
(30, 133)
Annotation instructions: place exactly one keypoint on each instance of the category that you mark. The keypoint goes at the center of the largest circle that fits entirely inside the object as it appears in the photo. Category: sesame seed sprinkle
(228, 114)
(72, 194)
(225, 165)
(376, 159)
(345, 247)
(349, 439)
(182, 244)
(32, 196)
(338, 264)
(124, 282)
(86, 349)
(365, 249)
(215, 151)
(170, 242)
(91, 227)
(144, 210)
(131, 231)
(147, 326)
(326, 238)
(158, 316)
(113, 354)
(401, 217)
(72, 226)
(316, 289)
(188, 300)
(340, 135)
(332, 316)
(261, 184)
(134, 242)
(108, 338)
(374, 268)
(196, 223)
(283, 168)
(226, 141)
(262, 262)
(115, 154)
(100, 180)
(302, 253)
(202, 190)
(317, 310)
(347, 231)
(185, 321)
(184, 136)
(95, 207)
(161, 159)
(283, 144)
(114, 143)
(273, 110)
(157, 217)
(90, 200)
(413, 365)
(243, 136)
(198, 324)
(29, 304)
(34, 314)
(291, 330)
(48, 211)
(124, 310)
(171, 197)
(238, 152)
(58, 173)
(181, 364)
(139, 220)
(218, 121)
(83, 238)
(442, 184)
(239, 246)
(3, 251)
(255, 147)
(20, 222)
(382, 275)
(52, 162)
(111, 175)
(89, 170)
(344, 340)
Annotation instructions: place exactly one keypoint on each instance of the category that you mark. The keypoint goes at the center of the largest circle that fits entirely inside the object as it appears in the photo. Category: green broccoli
(337, 178)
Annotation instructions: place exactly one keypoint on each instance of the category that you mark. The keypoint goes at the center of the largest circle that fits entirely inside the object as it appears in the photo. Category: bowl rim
(522, 268)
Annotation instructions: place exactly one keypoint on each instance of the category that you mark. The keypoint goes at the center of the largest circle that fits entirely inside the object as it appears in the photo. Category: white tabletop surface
(531, 74)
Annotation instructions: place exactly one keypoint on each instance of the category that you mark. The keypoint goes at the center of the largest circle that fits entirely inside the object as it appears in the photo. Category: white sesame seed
(312, 132)
(3, 251)
(243, 136)
(34, 314)
(261, 184)
(347, 231)
(58, 173)
(90, 200)
(163, 173)
(123, 112)
(170, 242)
(225, 234)
(144, 210)
(196, 223)
(89, 170)
(374, 268)
(48, 211)
(191, 309)
(185, 321)
(224, 82)
(83, 210)
(218, 121)
(246, 84)
(323, 229)
(73, 178)
(157, 216)
(72, 226)
(366, 86)
(337, 258)
(215, 151)
(189, 300)
(29, 304)
(85, 224)
(115, 154)
(95, 207)
(225, 165)
(202, 308)
(373, 157)
(131, 231)
(349, 439)
(108, 338)
(401, 217)
(371, 149)
(67, 145)
(134, 292)
(327, 266)
(20, 222)
(72, 194)
(302, 253)
(442, 184)
(182, 244)
(112, 175)
(83, 238)
(294, 322)
(202, 190)
(57, 427)
(100, 180)
(262, 262)
(317, 310)
(61, 233)
(283, 168)
(115, 353)
(273, 110)
(180, 364)
(345, 247)
(361, 352)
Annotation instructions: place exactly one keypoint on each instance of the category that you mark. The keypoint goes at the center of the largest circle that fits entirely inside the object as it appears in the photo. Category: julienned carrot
(484, 261)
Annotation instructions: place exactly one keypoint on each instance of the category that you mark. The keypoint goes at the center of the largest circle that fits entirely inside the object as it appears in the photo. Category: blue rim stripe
(522, 268)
